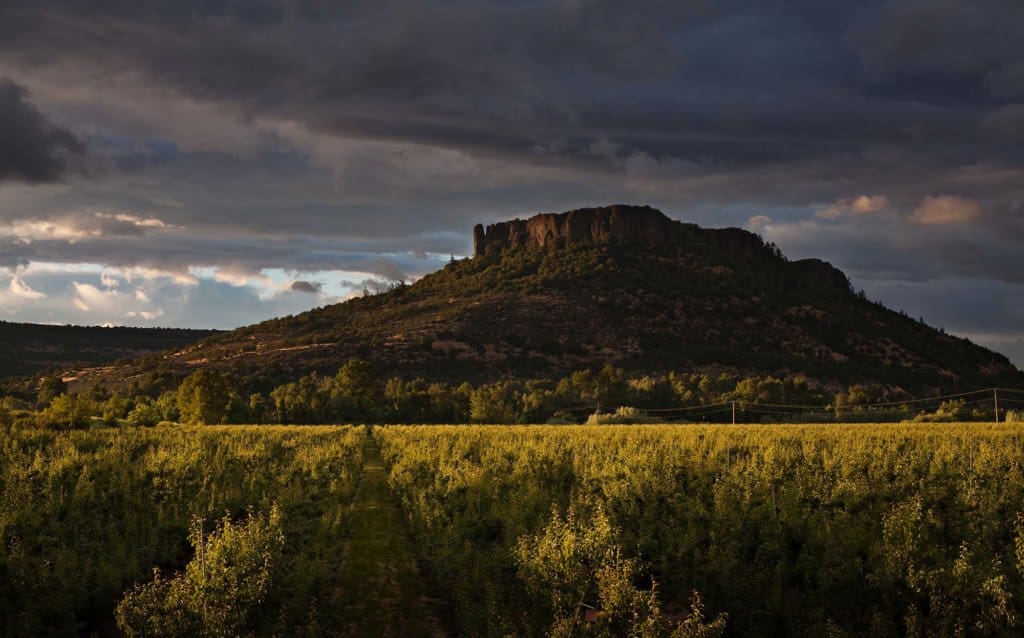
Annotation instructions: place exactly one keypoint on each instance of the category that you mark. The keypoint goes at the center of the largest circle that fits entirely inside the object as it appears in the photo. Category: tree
(260, 408)
(357, 390)
(499, 402)
(49, 388)
(204, 398)
(145, 413)
(117, 407)
(167, 404)
(67, 412)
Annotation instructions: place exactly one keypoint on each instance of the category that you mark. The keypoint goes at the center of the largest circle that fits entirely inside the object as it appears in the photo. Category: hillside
(29, 348)
(621, 285)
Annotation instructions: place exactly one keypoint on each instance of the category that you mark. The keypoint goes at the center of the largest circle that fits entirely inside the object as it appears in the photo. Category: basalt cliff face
(640, 227)
(610, 224)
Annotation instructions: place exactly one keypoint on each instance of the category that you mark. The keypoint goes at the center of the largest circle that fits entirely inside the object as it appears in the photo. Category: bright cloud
(862, 205)
(109, 281)
(240, 276)
(134, 220)
(946, 209)
(145, 314)
(20, 289)
(27, 230)
(757, 222)
(77, 227)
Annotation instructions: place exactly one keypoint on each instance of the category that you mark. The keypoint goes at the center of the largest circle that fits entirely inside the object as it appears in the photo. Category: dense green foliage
(358, 394)
(85, 515)
(204, 398)
(221, 591)
(910, 530)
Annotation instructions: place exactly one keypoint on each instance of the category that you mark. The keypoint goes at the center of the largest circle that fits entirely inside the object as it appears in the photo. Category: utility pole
(995, 401)
(733, 412)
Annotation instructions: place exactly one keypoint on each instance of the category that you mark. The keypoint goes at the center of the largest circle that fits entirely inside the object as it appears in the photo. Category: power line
(906, 407)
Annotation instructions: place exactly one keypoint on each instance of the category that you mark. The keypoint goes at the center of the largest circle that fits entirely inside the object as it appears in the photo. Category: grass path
(385, 591)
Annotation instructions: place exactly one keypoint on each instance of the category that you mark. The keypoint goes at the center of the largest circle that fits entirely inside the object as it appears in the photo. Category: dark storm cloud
(32, 148)
(740, 83)
(311, 287)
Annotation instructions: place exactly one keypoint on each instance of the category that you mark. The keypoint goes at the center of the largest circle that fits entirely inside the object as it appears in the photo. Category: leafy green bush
(66, 412)
(575, 564)
(222, 588)
(146, 413)
(624, 415)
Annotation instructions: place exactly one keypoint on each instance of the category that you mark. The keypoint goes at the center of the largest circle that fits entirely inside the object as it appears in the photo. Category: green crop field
(796, 530)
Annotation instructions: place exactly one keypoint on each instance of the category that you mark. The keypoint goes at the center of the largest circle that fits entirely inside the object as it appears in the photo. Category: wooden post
(733, 412)
(995, 401)
(202, 560)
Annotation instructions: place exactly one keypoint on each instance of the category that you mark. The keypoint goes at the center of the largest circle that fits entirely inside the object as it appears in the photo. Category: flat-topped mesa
(641, 226)
(619, 223)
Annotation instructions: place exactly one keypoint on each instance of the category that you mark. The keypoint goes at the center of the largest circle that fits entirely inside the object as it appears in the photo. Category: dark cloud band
(33, 148)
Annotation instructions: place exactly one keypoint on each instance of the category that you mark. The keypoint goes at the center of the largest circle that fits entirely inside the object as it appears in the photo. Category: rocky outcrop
(636, 224)
(816, 272)
(642, 226)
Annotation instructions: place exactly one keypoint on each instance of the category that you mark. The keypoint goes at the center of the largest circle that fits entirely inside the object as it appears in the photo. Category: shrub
(624, 415)
(948, 412)
(576, 561)
(221, 590)
(146, 413)
(66, 412)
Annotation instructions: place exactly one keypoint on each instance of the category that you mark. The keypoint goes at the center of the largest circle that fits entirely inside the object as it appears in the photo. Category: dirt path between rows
(386, 594)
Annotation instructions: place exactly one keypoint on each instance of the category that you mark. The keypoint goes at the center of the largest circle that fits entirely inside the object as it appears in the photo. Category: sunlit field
(686, 530)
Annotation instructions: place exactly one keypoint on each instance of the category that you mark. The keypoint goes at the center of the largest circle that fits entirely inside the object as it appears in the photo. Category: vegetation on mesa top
(625, 286)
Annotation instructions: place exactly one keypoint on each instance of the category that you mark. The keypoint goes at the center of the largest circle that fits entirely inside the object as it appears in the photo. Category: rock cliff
(619, 223)
(642, 226)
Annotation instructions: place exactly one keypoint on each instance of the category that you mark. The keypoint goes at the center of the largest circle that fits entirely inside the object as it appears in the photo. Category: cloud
(148, 315)
(74, 227)
(862, 205)
(20, 289)
(239, 275)
(758, 222)
(34, 149)
(132, 220)
(109, 281)
(946, 209)
(386, 268)
(311, 287)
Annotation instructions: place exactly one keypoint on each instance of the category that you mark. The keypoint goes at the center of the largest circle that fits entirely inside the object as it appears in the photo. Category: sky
(213, 163)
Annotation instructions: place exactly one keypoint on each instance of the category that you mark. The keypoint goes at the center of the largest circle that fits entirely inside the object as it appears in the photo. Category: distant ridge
(620, 285)
(30, 348)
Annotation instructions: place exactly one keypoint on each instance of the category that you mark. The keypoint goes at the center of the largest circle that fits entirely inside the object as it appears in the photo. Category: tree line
(357, 393)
